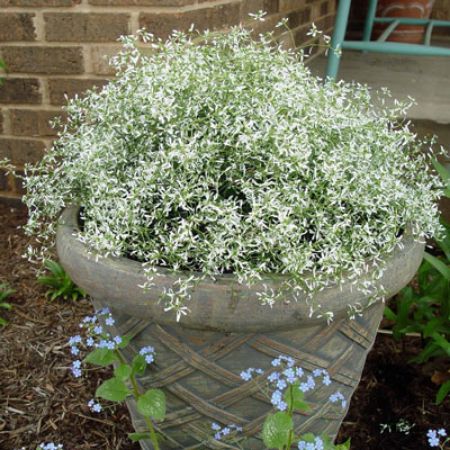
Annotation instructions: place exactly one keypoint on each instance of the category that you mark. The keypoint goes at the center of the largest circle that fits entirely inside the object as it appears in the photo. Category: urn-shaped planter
(198, 360)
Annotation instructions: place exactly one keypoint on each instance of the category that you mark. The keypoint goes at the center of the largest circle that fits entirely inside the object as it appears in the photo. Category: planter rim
(221, 304)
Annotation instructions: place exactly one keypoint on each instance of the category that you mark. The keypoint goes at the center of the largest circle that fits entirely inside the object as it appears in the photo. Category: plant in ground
(59, 283)
(5, 292)
(286, 387)
(231, 157)
(105, 349)
(425, 307)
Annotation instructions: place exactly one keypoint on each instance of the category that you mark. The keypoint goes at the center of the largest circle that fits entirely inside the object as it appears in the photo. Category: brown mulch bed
(40, 401)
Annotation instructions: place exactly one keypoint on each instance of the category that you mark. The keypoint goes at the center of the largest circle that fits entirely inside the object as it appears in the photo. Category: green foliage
(101, 357)
(5, 292)
(276, 430)
(113, 389)
(59, 283)
(233, 157)
(152, 404)
(2, 68)
(425, 308)
(295, 399)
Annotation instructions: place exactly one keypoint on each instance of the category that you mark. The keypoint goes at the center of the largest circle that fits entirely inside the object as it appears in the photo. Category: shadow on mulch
(40, 401)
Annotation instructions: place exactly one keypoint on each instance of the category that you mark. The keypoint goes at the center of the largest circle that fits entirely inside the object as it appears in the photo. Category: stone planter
(198, 361)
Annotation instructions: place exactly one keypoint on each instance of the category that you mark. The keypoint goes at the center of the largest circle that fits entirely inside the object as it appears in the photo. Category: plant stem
(137, 394)
(290, 411)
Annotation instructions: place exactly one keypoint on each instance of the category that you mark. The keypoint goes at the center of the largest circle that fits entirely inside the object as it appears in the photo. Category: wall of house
(54, 48)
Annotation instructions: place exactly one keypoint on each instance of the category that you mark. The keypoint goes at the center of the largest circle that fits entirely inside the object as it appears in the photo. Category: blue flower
(90, 341)
(98, 329)
(149, 358)
(290, 375)
(76, 368)
(246, 375)
(281, 384)
(308, 385)
(117, 340)
(215, 426)
(74, 350)
(110, 321)
(274, 376)
(94, 406)
(433, 439)
(336, 397)
(145, 350)
(75, 340)
(50, 446)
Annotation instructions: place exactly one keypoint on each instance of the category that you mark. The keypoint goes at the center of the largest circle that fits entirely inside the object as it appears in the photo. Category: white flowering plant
(216, 153)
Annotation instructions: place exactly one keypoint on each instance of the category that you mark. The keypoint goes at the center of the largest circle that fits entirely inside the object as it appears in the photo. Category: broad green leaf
(343, 446)
(5, 305)
(113, 389)
(438, 265)
(138, 365)
(276, 430)
(444, 390)
(295, 398)
(101, 357)
(135, 437)
(152, 404)
(123, 372)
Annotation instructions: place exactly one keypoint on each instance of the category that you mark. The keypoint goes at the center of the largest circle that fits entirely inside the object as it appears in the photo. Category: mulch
(40, 401)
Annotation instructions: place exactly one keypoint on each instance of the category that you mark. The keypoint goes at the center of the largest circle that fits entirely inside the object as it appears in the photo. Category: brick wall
(54, 48)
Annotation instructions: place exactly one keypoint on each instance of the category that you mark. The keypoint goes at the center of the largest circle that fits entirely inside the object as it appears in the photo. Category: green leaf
(438, 265)
(135, 437)
(444, 390)
(443, 172)
(138, 365)
(5, 305)
(113, 389)
(389, 314)
(152, 404)
(295, 398)
(125, 341)
(101, 357)
(123, 372)
(276, 430)
(343, 446)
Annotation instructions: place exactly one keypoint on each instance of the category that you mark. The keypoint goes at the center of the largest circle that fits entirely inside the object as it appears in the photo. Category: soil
(41, 402)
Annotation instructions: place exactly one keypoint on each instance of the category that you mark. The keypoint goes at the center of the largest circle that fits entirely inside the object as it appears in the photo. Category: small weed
(59, 283)
(5, 292)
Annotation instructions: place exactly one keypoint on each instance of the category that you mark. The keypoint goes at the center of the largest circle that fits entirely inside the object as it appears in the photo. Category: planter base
(199, 372)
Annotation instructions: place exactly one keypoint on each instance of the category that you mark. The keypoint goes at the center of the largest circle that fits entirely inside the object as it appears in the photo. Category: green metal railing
(338, 43)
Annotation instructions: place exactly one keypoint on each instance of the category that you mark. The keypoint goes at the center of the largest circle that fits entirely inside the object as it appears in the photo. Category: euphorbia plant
(219, 154)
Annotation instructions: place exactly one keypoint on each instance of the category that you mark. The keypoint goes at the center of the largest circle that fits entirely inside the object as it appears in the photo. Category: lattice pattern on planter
(199, 372)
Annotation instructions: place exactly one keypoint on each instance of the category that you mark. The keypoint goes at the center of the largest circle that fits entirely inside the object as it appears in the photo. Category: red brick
(58, 88)
(299, 18)
(37, 3)
(20, 91)
(215, 17)
(18, 183)
(290, 5)
(32, 122)
(17, 27)
(144, 2)
(46, 60)
(100, 56)
(85, 27)
(21, 151)
(4, 182)
(253, 6)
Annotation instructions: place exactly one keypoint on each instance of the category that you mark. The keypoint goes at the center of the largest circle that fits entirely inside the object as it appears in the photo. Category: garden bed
(41, 401)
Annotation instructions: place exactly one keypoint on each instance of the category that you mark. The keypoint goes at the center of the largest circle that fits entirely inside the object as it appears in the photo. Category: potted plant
(414, 9)
(229, 207)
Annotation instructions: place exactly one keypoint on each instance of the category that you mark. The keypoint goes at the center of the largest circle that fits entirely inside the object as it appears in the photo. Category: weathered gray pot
(198, 361)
